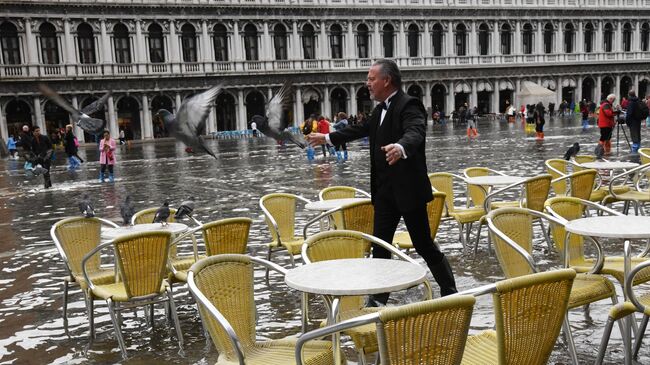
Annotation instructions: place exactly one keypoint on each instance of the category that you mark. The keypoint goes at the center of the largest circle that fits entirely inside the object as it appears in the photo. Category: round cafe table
(609, 165)
(336, 278)
(494, 180)
(174, 228)
(325, 205)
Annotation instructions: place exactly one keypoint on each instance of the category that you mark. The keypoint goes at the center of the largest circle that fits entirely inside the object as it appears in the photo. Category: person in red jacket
(606, 122)
(324, 127)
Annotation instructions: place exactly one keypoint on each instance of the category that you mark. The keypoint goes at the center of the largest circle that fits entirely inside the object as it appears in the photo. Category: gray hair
(388, 68)
(611, 97)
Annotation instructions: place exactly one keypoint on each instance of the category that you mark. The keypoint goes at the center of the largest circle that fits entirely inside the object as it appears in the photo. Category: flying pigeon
(86, 207)
(572, 152)
(162, 214)
(82, 117)
(277, 118)
(185, 209)
(127, 211)
(188, 125)
(599, 151)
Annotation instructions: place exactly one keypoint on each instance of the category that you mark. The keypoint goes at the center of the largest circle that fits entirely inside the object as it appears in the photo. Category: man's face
(378, 85)
(37, 132)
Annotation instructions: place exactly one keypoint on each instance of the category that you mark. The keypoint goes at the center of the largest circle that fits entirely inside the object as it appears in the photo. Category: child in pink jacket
(106, 157)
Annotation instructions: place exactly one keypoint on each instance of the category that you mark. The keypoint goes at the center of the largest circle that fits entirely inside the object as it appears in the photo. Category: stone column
(78, 132)
(147, 131)
(174, 55)
(295, 43)
(236, 43)
(207, 44)
(450, 39)
(496, 39)
(495, 97)
(68, 45)
(32, 51)
(559, 40)
(450, 98)
(636, 39)
(269, 94)
(600, 47)
(300, 112)
(580, 38)
(349, 43)
(427, 96)
(540, 38)
(241, 110)
(558, 90)
(578, 90)
(618, 37)
(473, 99)
(107, 56)
(376, 42)
(401, 41)
(323, 46)
(178, 102)
(212, 120)
(617, 90)
(635, 87)
(515, 94)
(140, 47)
(267, 46)
(4, 131)
(353, 100)
(112, 117)
(473, 44)
(327, 105)
(38, 113)
(517, 47)
(599, 89)
(426, 41)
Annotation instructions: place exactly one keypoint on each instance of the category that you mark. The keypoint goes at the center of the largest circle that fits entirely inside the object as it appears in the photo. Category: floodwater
(31, 326)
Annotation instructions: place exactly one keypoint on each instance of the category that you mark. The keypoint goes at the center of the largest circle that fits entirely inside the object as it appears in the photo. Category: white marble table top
(626, 226)
(112, 233)
(325, 205)
(355, 276)
(609, 165)
(494, 180)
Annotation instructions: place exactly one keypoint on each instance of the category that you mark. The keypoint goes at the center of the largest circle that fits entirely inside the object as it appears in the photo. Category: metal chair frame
(329, 214)
(638, 205)
(356, 190)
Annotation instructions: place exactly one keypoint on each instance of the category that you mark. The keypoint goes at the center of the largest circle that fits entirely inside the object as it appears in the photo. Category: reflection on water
(30, 280)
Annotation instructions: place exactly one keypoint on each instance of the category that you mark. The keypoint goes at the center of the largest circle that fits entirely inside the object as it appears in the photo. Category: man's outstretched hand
(393, 153)
(315, 139)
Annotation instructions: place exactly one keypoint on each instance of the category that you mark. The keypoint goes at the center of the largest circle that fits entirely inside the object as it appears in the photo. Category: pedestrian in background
(42, 152)
(606, 122)
(11, 146)
(71, 148)
(106, 157)
(339, 125)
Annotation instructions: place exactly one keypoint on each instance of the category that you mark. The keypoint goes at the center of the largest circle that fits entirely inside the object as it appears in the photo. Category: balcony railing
(360, 64)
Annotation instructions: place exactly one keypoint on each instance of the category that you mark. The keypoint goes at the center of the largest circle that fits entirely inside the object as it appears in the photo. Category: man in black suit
(398, 171)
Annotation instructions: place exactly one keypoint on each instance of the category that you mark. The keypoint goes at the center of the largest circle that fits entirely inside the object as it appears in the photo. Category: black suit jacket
(404, 123)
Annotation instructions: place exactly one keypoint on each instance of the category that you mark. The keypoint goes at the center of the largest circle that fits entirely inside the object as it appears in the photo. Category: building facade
(152, 54)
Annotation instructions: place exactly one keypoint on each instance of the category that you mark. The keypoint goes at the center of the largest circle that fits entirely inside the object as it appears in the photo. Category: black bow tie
(383, 105)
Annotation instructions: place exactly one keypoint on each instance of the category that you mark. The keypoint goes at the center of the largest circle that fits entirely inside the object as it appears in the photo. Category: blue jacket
(11, 144)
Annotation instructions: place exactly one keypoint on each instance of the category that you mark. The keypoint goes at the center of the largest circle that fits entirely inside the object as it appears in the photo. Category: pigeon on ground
(188, 125)
(185, 209)
(162, 214)
(82, 117)
(599, 151)
(277, 118)
(86, 207)
(127, 211)
(572, 152)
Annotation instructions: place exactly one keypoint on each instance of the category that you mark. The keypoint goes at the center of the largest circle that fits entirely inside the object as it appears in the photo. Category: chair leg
(638, 337)
(478, 237)
(172, 307)
(604, 341)
(65, 304)
(91, 316)
(268, 258)
(546, 236)
(292, 260)
(362, 357)
(116, 325)
(569, 339)
(151, 315)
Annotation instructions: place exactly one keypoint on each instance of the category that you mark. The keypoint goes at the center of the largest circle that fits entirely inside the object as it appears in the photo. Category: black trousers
(635, 131)
(387, 216)
(605, 134)
(45, 163)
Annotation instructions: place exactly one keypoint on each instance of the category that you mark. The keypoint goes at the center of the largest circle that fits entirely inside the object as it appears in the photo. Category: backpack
(306, 128)
(641, 111)
(76, 142)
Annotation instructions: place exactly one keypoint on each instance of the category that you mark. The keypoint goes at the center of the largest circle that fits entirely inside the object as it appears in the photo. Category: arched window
(308, 42)
(122, 44)
(413, 40)
(188, 40)
(608, 37)
(9, 43)
(156, 44)
(280, 42)
(250, 42)
(389, 34)
(362, 41)
(506, 39)
(645, 37)
(437, 39)
(527, 39)
(49, 44)
(336, 41)
(589, 38)
(569, 34)
(461, 40)
(548, 38)
(220, 43)
(483, 39)
(627, 37)
(86, 43)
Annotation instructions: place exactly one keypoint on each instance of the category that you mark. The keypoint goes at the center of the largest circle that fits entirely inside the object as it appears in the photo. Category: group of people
(321, 124)
(632, 111)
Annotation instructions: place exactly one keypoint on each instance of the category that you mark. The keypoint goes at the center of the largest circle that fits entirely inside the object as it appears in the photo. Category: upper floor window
(156, 44)
(527, 38)
(220, 43)
(413, 40)
(308, 42)
(86, 43)
(548, 38)
(645, 37)
(250, 43)
(437, 39)
(483, 39)
(506, 39)
(627, 37)
(188, 40)
(362, 41)
(336, 41)
(589, 38)
(461, 40)
(569, 36)
(388, 40)
(280, 42)
(49, 44)
(10, 44)
(608, 37)
(122, 44)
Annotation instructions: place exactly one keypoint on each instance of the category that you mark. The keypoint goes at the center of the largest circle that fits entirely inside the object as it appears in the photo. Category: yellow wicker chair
(220, 237)
(142, 262)
(581, 185)
(476, 194)
(435, 209)
(280, 215)
(429, 332)
(74, 238)
(558, 168)
(340, 192)
(529, 313)
(223, 288)
(580, 159)
(512, 233)
(358, 216)
(146, 216)
(465, 217)
(344, 244)
(638, 197)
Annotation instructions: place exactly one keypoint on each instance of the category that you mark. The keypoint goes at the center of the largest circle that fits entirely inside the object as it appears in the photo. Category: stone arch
(128, 116)
(18, 112)
(226, 107)
(339, 100)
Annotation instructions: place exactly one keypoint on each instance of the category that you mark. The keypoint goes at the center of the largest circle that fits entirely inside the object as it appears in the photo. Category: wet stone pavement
(31, 271)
